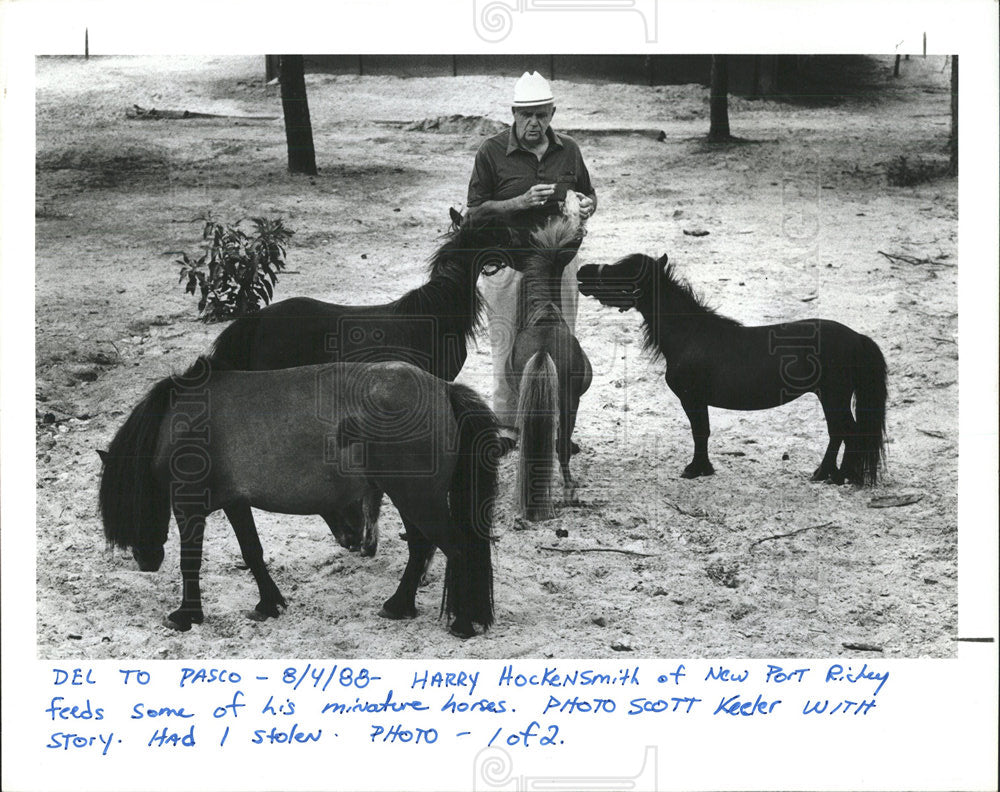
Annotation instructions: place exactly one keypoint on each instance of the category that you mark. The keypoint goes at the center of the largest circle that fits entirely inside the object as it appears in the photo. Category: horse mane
(666, 285)
(450, 270)
(547, 243)
(557, 233)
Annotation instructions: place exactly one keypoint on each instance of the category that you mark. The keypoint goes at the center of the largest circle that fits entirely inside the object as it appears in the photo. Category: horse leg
(403, 603)
(567, 422)
(850, 467)
(828, 466)
(698, 417)
(840, 426)
(253, 555)
(371, 507)
(430, 524)
(192, 530)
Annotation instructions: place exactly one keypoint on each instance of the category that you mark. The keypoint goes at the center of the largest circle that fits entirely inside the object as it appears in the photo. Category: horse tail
(870, 390)
(537, 409)
(235, 349)
(472, 495)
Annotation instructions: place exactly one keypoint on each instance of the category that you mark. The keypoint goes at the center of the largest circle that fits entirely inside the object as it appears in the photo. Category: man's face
(530, 123)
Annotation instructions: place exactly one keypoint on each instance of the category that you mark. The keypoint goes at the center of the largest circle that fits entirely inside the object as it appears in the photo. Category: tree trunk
(718, 100)
(298, 128)
(954, 116)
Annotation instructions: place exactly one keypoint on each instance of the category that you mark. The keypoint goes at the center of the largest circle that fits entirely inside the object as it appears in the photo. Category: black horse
(715, 361)
(428, 327)
(547, 368)
(307, 441)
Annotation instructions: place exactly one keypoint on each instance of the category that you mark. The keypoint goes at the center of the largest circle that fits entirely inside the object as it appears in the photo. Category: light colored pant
(500, 295)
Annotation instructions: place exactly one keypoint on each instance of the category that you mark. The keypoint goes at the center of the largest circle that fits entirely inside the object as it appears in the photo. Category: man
(525, 171)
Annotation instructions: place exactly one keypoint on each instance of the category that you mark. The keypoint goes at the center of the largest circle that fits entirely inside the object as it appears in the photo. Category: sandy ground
(796, 219)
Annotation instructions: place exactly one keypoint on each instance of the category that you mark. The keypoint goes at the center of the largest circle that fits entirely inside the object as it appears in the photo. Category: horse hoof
(385, 613)
(694, 471)
(462, 630)
(181, 621)
(574, 449)
(369, 552)
(263, 612)
(820, 475)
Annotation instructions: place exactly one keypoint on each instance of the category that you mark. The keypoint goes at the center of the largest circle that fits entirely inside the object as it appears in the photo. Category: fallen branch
(596, 550)
(152, 114)
(792, 533)
(889, 501)
(862, 647)
(913, 260)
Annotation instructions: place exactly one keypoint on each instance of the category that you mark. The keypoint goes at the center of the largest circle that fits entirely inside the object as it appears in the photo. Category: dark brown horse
(308, 440)
(547, 368)
(714, 361)
(428, 327)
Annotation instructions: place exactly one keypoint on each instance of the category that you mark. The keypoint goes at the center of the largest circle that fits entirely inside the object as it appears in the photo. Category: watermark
(190, 463)
(383, 414)
(493, 768)
(493, 20)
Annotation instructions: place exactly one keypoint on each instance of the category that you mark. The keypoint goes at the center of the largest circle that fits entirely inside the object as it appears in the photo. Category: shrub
(237, 273)
(903, 173)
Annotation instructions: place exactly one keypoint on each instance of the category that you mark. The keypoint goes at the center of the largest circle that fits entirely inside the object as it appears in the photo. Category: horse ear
(103, 455)
(661, 262)
(456, 216)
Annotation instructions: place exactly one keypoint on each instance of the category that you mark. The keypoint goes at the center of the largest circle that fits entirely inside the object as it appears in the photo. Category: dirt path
(796, 219)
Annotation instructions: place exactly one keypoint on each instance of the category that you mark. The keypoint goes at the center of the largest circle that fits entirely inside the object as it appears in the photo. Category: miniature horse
(715, 361)
(546, 367)
(307, 441)
(428, 327)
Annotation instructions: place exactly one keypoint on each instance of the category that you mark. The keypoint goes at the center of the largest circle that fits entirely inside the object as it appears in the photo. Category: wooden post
(454, 65)
(895, 68)
(298, 127)
(718, 100)
(86, 43)
(953, 158)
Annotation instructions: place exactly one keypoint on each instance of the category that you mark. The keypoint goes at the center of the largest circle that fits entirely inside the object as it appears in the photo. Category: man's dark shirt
(504, 170)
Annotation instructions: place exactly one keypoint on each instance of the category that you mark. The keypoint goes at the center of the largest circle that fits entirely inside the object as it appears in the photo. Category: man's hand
(537, 195)
(587, 206)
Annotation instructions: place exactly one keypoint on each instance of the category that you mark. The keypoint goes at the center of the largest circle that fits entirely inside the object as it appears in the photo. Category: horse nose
(586, 273)
(148, 557)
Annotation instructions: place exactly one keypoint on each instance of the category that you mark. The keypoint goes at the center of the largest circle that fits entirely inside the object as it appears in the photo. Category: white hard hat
(532, 90)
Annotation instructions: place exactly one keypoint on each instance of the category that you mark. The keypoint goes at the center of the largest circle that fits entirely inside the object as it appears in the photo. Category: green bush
(237, 273)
